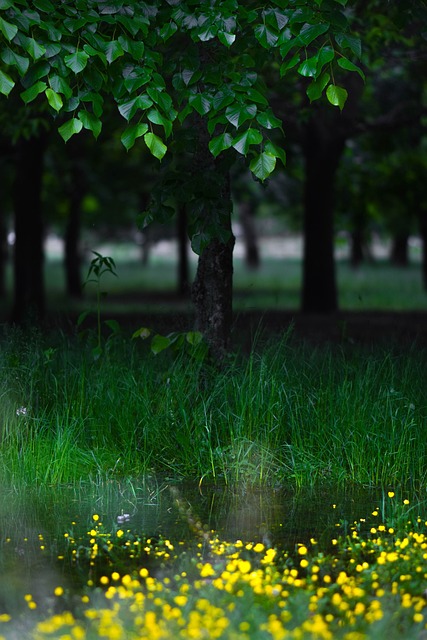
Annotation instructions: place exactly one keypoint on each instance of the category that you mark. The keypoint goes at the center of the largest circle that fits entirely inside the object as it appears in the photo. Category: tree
(164, 62)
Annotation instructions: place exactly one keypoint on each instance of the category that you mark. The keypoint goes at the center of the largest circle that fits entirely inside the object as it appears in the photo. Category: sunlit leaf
(243, 141)
(155, 144)
(54, 99)
(31, 93)
(220, 143)
(69, 128)
(336, 95)
(6, 83)
(90, 122)
(316, 88)
(263, 165)
(133, 132)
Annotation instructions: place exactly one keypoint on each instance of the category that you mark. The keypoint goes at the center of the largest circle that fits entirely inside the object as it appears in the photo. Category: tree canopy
(162, 61)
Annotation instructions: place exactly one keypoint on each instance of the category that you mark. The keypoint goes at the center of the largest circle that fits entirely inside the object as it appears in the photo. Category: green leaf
(159, 343)
(60, 85)
(156, 145)
(273, 150)
(325, 55)
(6, 83)
(243, 141)
(349, 42)
(31, 94)
(349, 66)
(113, 50)
(136, 49)
(268, 120)
(156, 117)
(142, 332)
(266, 36)
(310, 32)
(6, 4)
(8, 30)
(316, 88)
(69, 128)
(14, 59)
(289, 64)
(256, 96)
(201, 103)
(90, 122)
(239, 113)
(263, 165)
(336, 96)
(308, 67)
(128, 108)
(226, 38)
(54, 99)
(133, 132)
(168, 30)
(44, 5)
(76, 61)
(32, 47)
(220, 143)
(194, 337)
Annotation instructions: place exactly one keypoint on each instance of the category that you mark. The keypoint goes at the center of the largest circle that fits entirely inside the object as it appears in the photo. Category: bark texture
(212, 290)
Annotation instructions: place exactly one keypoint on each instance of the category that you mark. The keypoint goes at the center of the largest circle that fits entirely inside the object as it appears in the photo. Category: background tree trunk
(323, 149)
(29, 295)
(77, 188)
(400, 250)
(183, 258)
(246, 217)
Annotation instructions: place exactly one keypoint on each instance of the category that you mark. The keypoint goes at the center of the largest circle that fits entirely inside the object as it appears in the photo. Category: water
(32, 524)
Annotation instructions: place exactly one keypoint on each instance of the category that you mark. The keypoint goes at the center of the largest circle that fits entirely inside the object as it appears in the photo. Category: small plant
(189, 342)
(98, 267)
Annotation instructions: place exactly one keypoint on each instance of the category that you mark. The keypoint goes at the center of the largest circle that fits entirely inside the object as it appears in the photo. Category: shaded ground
(349, 327)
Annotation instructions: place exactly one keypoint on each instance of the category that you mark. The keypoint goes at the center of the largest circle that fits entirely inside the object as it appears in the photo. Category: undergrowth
(286, 414)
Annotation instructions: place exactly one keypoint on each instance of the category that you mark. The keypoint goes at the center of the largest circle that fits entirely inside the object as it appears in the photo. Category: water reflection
(32, 525)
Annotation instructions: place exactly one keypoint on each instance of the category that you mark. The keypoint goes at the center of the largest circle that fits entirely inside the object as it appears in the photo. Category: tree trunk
(423, 234)
(29, 295)
(357, 255)
(323, 150)
(3, 249)
(212, 290)
(183, 260)
(76, 192)
(246, 217)
(400, 250)
(72, 257)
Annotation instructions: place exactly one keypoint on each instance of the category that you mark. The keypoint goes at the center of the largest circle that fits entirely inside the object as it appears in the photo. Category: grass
(286, 414)
(366, 582)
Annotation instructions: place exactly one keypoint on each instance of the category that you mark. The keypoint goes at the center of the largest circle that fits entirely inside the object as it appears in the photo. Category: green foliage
(160, 63)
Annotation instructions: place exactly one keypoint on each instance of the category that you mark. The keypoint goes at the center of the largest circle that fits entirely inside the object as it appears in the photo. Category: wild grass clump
(287, 413)
(366, 584)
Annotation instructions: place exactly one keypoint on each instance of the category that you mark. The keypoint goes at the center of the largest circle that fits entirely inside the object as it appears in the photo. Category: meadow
(367, 583)
(288, 415)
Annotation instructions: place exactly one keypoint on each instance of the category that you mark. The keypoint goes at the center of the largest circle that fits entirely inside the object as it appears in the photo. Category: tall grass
(287, 413)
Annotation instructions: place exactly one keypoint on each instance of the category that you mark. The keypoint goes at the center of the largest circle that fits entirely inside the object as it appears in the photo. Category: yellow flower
(391, 494)
(302, 550)
(95, 517)
(58, 591)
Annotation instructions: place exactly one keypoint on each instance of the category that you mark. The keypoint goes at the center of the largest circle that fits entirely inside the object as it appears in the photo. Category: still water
(33, 523)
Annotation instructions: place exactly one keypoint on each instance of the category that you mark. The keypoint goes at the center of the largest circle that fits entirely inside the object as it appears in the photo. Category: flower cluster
(371, 585)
